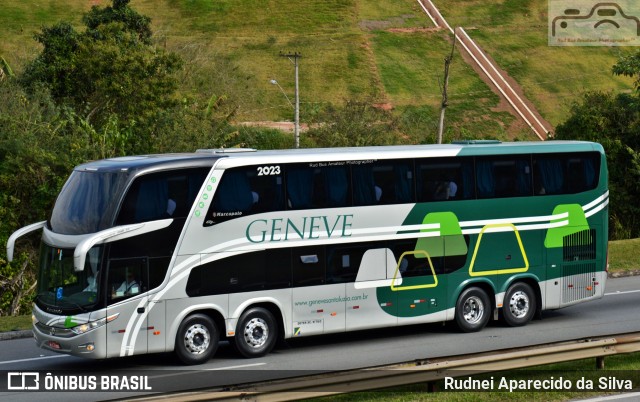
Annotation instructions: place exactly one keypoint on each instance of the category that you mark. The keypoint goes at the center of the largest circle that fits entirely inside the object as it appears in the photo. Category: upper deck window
(247, 190)
(317, 185)
(503, 176)
(161, 195)
(442, 179)
(567, 173)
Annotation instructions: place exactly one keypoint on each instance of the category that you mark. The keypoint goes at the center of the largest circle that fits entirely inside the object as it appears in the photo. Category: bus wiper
(43, 296)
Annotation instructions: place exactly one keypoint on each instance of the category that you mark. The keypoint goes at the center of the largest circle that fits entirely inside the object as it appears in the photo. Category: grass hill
(380, 52)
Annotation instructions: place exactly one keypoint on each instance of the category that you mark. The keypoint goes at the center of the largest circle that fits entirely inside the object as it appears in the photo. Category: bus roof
(231, 156)
(406, 151)
(150, 162)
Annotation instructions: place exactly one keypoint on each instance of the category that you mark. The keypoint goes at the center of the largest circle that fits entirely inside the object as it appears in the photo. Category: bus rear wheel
(473, 310)
(256, 333)
(197, 339)
(519, 304)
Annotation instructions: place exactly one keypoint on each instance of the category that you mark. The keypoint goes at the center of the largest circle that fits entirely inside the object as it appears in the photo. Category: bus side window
(583, 171)
(383, 182)
(343, 263)
(314, 186)
(247, 190)
(161, 195)
(565, 173)
(549, 175)
(365, 189)
(308, 264)
(440, 179)
(336, 186)
(499, 177)
(126, 278)
(146, 200)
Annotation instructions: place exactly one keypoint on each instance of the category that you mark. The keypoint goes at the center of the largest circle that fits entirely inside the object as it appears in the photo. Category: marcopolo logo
(594, 23)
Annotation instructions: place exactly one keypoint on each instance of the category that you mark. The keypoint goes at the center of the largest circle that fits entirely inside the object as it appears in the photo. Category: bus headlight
(90, 326)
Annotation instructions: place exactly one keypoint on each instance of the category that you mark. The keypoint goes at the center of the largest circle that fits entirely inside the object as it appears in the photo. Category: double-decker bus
(175, 252)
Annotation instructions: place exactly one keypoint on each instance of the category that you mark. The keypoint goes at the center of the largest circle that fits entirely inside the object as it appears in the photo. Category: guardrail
(420, 371)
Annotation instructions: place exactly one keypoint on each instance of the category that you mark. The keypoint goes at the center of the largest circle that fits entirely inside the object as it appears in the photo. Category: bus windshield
(60, 288)
(87, 202)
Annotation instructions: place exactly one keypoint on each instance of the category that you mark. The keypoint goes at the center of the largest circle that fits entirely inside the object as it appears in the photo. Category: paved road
(615, 313)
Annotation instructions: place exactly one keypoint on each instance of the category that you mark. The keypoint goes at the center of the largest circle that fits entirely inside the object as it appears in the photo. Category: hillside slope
(379, 52)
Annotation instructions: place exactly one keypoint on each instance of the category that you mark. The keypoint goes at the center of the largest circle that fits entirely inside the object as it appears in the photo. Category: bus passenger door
(127, 280)
(371, 302)
(318, 306)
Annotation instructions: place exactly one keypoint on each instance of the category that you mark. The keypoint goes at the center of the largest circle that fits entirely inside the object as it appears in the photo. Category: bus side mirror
(19, 233)
(80, 253)
(113, 234)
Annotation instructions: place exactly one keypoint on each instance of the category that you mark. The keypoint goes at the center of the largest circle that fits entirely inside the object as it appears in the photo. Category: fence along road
(493, 76)
(415, 372)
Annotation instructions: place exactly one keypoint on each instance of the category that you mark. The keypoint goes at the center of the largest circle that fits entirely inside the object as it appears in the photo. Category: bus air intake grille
(579, 246)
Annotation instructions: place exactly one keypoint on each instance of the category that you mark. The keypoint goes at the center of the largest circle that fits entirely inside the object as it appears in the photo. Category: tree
(109, 72)
(613, 121)
(37, 149)
(354, 124)
(120, 12)
(629, 66)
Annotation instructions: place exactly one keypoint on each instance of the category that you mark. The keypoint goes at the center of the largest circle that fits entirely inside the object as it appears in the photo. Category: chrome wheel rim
(256, 332)
(197, 339)
(473, 310)
(519, 304)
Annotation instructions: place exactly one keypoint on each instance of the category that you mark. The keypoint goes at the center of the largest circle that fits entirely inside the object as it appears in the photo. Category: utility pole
(293, 57)
(445, 99)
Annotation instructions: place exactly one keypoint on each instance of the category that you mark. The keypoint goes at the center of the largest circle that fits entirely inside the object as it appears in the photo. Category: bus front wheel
(197, 339)
(473, 310)
(519, 304)
(256, 333)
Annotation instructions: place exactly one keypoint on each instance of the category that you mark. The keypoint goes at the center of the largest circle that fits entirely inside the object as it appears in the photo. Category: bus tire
(257, 333)
(197, 339)
(473, 310)
(519, 304)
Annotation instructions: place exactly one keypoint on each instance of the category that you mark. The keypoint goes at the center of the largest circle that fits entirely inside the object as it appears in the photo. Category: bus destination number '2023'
(268, 170)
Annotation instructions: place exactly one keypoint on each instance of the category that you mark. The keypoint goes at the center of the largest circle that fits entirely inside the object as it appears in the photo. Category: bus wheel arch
(259, 328)
(522, 302)
(474, 307)
(197, 338)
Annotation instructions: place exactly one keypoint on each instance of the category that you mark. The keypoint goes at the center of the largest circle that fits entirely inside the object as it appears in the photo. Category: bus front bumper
(89, 345)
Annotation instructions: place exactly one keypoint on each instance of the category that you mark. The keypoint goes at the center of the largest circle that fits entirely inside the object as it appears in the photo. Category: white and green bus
(176, 252)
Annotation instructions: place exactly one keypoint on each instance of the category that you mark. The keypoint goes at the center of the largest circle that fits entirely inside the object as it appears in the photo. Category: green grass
(232, 48)
(624, 255)
(351, 50)
(20, 20)
(514, 33)
(17, 323)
